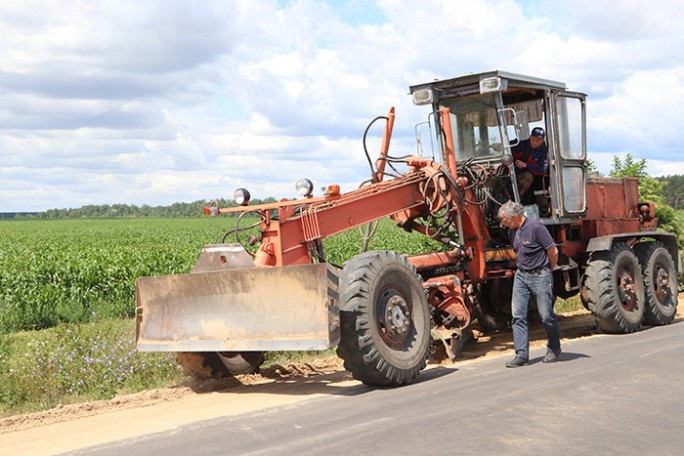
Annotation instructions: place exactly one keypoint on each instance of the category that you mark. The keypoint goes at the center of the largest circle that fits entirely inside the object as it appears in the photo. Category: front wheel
(384, 319)
(219, 364)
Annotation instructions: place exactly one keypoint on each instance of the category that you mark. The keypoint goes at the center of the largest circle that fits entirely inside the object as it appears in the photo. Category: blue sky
(122, 101)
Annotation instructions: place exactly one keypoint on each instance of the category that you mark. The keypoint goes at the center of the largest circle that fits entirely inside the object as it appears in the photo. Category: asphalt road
(607, 395)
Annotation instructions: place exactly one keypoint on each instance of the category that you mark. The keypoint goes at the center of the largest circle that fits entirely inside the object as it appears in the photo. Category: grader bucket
(226, 305)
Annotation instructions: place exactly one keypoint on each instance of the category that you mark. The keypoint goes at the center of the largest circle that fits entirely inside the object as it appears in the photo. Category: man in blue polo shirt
(536, 256)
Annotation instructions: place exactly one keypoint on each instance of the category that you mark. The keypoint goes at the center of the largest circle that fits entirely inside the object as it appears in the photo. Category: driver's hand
(520, 164)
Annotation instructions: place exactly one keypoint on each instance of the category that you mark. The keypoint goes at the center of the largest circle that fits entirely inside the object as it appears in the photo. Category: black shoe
(551, 356)
(517, 362)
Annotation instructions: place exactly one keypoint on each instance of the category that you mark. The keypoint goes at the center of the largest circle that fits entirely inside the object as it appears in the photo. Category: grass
(75, 363)
(285, 358)
(83, 362)
(568, 305)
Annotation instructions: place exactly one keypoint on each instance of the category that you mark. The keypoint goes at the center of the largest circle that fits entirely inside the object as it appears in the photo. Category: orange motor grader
(382, 309)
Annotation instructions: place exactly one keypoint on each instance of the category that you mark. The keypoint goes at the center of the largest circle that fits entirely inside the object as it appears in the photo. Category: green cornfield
(70, 270)
(56, 271)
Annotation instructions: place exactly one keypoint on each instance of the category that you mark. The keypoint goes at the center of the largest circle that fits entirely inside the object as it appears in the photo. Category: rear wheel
(219, 365)
(384, 319)
(614, 289)
(491, 300)
(660, 282)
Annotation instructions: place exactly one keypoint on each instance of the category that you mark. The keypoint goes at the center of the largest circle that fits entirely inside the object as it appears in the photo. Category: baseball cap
(538, 132)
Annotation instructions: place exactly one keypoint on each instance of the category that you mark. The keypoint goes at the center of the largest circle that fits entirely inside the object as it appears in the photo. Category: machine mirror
(517, 125)
(522, 126)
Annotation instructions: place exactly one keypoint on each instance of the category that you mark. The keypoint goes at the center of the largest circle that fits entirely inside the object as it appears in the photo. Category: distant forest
(175, 210)
(673, 193)
(674, 190)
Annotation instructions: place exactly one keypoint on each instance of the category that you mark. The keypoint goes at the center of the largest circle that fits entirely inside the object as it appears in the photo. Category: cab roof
(470, 83)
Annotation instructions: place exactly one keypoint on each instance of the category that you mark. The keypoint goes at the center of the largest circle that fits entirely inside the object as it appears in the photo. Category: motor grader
(381, 309)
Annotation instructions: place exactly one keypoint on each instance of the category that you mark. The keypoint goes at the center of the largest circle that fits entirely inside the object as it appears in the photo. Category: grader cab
(382, 309)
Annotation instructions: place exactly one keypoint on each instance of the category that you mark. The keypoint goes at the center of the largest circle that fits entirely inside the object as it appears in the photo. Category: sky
(162, 101)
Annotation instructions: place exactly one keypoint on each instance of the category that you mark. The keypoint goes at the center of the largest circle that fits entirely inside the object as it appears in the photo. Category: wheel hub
(662, 283)
(397, 314)
(627, 290)
(395, 320)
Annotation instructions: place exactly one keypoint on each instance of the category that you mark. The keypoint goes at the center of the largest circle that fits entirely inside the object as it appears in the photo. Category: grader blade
(241, 309)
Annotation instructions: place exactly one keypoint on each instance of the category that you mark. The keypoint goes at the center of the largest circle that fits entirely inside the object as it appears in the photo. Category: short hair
(510, 209)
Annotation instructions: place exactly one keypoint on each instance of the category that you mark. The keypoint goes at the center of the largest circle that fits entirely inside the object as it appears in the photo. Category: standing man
(536, 257)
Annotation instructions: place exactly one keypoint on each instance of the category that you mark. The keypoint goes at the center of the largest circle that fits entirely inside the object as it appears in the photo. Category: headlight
(304, 187)
(422, 97)
(495, 84)
(506, 159)
(241, 196)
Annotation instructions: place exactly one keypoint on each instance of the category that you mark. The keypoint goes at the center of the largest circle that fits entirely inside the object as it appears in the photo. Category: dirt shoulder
(76, 426)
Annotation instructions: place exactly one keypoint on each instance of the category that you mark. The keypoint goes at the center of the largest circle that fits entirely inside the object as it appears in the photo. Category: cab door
(568, 165)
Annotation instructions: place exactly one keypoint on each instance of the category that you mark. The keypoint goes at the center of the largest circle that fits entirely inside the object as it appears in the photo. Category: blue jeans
(539, 285)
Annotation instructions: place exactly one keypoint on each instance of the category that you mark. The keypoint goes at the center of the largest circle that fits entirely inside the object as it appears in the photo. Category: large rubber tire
(238, 363)
(384, 319)
(491, 316)
(660, 282)
(614, 289)
(219, 365)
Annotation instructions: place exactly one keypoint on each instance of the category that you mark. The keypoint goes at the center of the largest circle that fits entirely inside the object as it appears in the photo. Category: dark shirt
(530, 242)
(537, 159)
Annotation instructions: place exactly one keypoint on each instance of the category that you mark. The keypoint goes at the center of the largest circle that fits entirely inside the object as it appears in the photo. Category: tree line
(668, 190)
(661, 191)
(673, 190)
(175, 210)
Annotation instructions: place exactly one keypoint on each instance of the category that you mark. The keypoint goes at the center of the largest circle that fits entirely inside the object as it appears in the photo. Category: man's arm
(552, 253)
(539, 163)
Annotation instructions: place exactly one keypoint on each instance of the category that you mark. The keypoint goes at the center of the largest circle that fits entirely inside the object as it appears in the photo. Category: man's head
(537, 137)
(511, 214)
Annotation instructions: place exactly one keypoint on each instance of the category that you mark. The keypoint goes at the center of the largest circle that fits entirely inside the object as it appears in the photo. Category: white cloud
(641, 114)
(155, 102)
